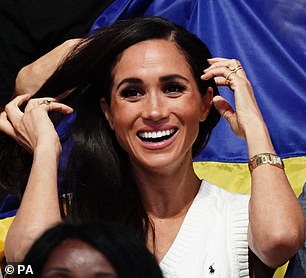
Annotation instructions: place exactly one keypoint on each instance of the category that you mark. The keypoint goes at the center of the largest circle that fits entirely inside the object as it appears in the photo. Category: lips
(156, 136)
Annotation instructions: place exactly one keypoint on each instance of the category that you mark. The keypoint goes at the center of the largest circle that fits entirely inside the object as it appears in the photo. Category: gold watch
(265, 158)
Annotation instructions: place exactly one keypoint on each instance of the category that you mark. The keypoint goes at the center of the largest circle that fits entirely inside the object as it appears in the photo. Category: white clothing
(212, 241)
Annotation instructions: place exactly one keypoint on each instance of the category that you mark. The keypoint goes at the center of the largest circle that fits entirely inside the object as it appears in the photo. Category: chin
(159, 162)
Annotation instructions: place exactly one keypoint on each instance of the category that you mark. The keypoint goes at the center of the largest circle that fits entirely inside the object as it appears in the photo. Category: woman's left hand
(230, 73)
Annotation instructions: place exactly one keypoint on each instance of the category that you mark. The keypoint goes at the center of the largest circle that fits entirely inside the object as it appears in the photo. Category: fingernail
(204, 76)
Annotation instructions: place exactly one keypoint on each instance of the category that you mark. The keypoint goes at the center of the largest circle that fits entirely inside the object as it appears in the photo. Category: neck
(169, 192)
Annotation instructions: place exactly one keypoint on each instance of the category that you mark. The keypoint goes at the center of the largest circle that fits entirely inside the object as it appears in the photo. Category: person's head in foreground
(91, 250)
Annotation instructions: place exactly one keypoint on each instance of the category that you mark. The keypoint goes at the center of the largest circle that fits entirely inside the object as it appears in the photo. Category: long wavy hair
(97, 171)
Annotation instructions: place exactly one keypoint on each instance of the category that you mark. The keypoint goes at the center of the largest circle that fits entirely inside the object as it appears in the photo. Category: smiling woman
(156, 106)
(145, 97)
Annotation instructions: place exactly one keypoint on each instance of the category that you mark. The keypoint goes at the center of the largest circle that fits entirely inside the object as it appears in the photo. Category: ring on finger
(237, 68)
(229, 74)
(235, 64)
(45, 101)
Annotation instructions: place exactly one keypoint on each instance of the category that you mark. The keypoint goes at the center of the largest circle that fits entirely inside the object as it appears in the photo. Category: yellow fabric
(280, 272)
(4, 226)
(235, 177)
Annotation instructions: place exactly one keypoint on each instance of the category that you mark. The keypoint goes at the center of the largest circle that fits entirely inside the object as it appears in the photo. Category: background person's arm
(31, 77)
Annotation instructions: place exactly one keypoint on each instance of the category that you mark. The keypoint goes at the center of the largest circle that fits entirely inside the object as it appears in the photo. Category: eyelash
(174, 88)
(133, 93)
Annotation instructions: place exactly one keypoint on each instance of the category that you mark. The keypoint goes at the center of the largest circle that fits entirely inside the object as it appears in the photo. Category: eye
(174, 89)
(131, 93)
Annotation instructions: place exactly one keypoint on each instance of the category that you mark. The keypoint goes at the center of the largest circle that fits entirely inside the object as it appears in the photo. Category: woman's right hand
(32, 128)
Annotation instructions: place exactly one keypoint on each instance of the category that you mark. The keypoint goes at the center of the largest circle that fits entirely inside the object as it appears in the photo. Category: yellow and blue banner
(268, 37)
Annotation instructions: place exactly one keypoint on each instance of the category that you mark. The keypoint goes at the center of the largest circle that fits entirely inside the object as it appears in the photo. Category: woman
(90, 250)
(133, 162)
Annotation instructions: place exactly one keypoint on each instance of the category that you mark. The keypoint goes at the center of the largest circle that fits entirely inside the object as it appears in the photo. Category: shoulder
(214, 191)
(231, 208)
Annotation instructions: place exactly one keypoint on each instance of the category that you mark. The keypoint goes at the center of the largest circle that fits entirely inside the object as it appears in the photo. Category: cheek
(191, 109)
(122, 126)
(192, 116)
(122, 119)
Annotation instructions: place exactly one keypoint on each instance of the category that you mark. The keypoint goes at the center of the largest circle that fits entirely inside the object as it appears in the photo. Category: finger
(224, 108)
(223, 75)
(216, 60)
(226, 111)
(35, 102)
(6, 126)
(60, 107)
(48, 104)
(12, 110)
(221, 81)
(231, 64)
(221, 71)
(215, 71)
(223, 62)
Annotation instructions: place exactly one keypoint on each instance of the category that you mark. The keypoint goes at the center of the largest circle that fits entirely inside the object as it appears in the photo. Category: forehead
(156, 55)
(74, 253)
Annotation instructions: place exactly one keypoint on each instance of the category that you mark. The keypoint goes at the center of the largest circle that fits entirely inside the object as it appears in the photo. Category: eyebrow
(129, 81)
(166, 78)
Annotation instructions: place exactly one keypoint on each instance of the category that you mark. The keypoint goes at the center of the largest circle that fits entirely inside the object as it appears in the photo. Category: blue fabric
(63, 129)
(268, 37)
(9, 206)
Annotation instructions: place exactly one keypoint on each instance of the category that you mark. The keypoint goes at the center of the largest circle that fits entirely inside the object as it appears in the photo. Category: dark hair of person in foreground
(126, 254)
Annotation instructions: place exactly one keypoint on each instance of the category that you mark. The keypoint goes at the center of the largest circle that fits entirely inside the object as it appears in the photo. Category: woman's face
(75, 258)
(155, 105)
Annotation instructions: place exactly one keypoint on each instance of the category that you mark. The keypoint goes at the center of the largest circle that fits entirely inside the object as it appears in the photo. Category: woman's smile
(156, 106)
(157, 139)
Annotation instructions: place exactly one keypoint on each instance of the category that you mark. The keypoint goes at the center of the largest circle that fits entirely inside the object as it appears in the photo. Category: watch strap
(265, 158)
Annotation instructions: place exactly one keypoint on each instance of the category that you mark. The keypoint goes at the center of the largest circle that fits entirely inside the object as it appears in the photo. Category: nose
(155, 107)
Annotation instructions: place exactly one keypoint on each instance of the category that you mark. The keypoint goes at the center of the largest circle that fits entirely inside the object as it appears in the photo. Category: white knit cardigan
(212, 241)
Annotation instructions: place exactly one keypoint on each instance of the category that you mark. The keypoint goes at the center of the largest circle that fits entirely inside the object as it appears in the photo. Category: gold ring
(237, 68)
(228, 75)
(45, 101)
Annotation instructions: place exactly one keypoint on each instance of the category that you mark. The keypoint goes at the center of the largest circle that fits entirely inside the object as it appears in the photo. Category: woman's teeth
(156, 135)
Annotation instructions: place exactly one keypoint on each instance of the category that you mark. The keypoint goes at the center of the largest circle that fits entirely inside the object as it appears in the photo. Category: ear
(106, 111)
(206, 103)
